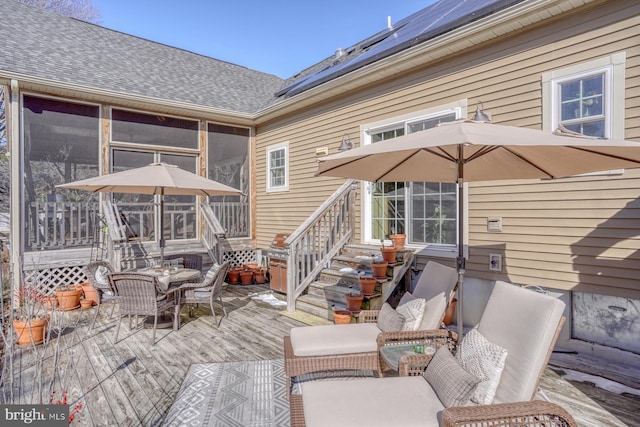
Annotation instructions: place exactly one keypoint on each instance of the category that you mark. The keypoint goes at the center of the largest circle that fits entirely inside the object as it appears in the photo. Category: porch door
(425, 212)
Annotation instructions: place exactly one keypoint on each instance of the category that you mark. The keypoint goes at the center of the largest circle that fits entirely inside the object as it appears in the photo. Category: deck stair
(328, 292)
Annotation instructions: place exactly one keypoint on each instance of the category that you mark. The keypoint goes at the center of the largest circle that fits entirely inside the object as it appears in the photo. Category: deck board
(133, 383)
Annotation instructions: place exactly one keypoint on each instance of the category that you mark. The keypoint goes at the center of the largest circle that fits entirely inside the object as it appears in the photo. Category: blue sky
(280, 37)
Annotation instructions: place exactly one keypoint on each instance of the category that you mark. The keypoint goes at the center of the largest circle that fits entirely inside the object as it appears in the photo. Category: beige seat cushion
(375, 402)
(326, 340)
(524, 323)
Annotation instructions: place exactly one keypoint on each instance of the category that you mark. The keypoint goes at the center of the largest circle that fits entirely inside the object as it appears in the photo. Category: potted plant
(89, 292)
(367, 285)
(31, 321)
(398, 240)
(379, 269)
(68, 297)
(388, 253)
(354, 302)
(341, 317)
(246, 277)
(260, 275)
(233, 275)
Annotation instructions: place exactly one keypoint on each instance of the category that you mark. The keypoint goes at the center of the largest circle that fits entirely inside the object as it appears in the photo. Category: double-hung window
(425, 211)
(587, 98)
(278, 167)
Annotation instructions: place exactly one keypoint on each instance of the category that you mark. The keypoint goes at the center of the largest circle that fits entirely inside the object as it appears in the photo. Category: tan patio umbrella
(155, 178)
(461, 151)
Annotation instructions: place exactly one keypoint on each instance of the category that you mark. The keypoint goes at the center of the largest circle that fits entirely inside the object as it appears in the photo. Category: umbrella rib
(599, 153)
(524, 159)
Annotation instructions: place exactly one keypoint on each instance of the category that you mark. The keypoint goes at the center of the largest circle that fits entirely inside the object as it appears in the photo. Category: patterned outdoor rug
(232, 394)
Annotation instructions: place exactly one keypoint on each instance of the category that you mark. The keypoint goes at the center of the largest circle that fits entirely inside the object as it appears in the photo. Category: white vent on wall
(494, 224)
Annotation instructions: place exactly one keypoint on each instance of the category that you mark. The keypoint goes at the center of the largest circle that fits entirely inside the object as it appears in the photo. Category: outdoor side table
(391, 354)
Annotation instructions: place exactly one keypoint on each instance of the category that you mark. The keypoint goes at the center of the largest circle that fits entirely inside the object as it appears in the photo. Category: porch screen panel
(61, 144)
(149, 129)
(180, 211)
(137, 210)
(228, 163)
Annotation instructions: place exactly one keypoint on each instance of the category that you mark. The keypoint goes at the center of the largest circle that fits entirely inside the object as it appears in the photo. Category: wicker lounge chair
(343, 347)
(533, 323)
(207, 291)
(139, 294)
(97, 273)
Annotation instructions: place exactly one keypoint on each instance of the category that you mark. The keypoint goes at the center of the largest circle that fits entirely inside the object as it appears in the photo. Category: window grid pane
(277, 164)
(582, 105)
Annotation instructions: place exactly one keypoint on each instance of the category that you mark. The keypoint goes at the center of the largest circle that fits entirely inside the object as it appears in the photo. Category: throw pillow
(485, 360)
(412, 312)
(406, 298)
(389, 320)
(433, 312)
(449, 380)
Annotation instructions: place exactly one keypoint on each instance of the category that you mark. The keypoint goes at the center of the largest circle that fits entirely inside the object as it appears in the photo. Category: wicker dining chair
(97, 273)
(139, 294)
(206, 291)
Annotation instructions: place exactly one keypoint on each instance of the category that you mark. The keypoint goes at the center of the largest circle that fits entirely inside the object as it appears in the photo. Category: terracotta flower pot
(234, 275)
(451, 310)
(246, 277)
(260, 276)
(354, 302)
(68, 298)
(86, 304)
(31, 331)
(389, 254)
(379, 269)
(342, 317)
(398, 240)
(368, 285)
(90, 293)
(52, 302)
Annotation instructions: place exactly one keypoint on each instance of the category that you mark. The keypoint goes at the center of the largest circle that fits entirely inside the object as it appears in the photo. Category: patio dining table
(168, 279)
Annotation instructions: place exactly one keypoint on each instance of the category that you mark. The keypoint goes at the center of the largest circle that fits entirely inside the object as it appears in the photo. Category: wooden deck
(131, 383)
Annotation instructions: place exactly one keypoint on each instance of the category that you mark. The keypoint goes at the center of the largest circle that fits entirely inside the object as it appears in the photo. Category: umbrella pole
(460, 261)
(161, 225)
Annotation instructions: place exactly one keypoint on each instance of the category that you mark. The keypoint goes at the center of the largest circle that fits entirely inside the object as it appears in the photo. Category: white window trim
(270, 149)
(460, 108)
(614, 68)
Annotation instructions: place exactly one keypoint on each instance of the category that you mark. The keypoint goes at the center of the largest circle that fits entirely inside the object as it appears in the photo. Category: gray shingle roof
(46, 45)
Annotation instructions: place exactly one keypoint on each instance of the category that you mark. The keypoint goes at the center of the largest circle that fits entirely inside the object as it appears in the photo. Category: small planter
(379, 269)
(389, 254)
(233, 275)
(246, 277)
(354, 302)
(68, 297)
(341, 317)
(398, 240)
(30, 332)
(86, 304)
(368, 285)
(260, 276)
(90, 293)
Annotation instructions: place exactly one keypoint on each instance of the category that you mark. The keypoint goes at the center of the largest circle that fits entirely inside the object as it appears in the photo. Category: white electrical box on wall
(495, 262)
(494, 224)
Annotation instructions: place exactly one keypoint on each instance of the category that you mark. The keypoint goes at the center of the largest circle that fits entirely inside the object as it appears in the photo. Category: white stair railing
(213, 234)
(316, 241)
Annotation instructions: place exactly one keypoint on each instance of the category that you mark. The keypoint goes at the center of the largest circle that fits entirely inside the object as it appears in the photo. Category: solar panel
(427, 23)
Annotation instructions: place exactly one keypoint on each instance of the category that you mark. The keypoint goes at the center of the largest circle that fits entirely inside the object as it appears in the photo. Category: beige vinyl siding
(545, 223)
